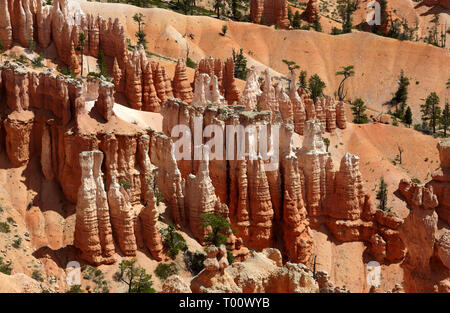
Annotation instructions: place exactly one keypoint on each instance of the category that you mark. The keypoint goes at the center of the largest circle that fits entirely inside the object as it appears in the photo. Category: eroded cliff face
(47, 116)
(26, 20)
(296, 107)
(145, 84)
(270, 195)
(214, 82)
(426, 231)
(267, 202)
(109, 169)
(441, 181)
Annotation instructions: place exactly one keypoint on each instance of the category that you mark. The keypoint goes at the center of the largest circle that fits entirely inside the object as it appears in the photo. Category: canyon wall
(271, 194)
(295, 105)
(426, 230)
(46, 117)
(145, 84)
(27, 20)
(275, 194)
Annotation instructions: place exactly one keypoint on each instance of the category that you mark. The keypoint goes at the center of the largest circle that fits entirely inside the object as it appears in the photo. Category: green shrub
(224, 30)
(4, 227)
(416, 181)
(159, 196)
(75, 289)
(219, 227)
(97, 276)
(37, 62)
(194, 261)
(163, 270)
(37, 275)
(230, 257)
(22, 59)
(5, 268)
(94, 74)
(124, 184)
(190, 63)
(65, 70)
(326, 141)
(16, 244)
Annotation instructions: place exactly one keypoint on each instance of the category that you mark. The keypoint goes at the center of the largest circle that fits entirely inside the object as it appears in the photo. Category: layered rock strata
(441, 181)
(302, 186)
(144, 86)
(295, 105)
(426, 230)
(221, 84)
(426, 266)
(46, 117)
(93, 232)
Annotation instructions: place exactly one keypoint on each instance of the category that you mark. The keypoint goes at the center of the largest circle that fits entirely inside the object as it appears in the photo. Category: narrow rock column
(93, 234)
(122, 218)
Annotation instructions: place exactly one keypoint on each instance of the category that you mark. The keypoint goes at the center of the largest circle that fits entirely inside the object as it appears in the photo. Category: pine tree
(347, 71)
(433, 32)
(346, 8)
(140, 35)
(218, 5)
(186, 6)
(80, 47)
(401, 95)
(408, 117)
(316, 87)
(101, 64)
(218, 228)
(291, 65)
(317, 25)
(240, 65)
(445, 119)
(236, 6)
(302, 80)
(135, 277)
(359, 109)
(290, 15)
(431, 112)
(382, 195)
(296, 20)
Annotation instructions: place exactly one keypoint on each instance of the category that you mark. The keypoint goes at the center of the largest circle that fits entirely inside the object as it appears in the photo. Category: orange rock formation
(269, 12)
